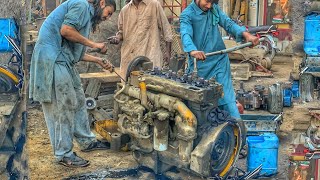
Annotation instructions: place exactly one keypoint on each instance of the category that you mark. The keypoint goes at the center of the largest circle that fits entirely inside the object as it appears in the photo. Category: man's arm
(119, 35)
(76, 19)
(186, 32)
(71, 34)
(239, 32)
(229, 25)
(104, 64)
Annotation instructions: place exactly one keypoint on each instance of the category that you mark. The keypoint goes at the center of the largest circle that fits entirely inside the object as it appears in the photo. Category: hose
(118, 93)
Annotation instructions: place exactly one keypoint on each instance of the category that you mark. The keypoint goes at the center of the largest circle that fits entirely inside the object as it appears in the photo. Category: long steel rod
(234, 48)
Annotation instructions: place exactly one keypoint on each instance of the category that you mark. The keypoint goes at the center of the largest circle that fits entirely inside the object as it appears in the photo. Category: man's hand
(105, 64)
(102, 47)
(198, 55)
(114, 39)
(251, 38)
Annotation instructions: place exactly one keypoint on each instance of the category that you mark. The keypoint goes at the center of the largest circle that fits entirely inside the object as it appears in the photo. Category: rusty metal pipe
(185, 113)
(161, 135)
(185, 133)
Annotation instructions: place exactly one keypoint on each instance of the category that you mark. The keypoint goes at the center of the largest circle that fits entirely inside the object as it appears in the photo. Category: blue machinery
(13, 116)
(11, 73)
(310, 66)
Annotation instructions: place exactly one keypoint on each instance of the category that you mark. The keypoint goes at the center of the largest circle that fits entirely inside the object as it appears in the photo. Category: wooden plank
(232, 4)
(105, 101)
(236, 9)
(247, 12)
(243, 10)
(104, 76)
(226, 7)
(93, 88)
(44, 7)
(101, 114)
(301, 126)
(260, 74)
(240, 71)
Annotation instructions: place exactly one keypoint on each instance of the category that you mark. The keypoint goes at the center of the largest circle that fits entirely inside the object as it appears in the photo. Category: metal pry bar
(233, 48)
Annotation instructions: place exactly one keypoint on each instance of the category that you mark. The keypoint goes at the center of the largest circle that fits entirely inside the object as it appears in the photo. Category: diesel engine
(173, 119)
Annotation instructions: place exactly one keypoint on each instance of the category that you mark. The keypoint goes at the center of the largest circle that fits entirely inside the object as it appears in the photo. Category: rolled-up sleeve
(186, 32)
(77, 16)
(230, 26)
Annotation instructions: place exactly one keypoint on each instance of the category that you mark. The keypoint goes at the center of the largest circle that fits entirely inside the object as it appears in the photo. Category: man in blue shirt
(55, 82)
(199, 27)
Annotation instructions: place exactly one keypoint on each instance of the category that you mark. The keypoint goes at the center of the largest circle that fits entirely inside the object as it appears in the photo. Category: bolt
(206, 83)
(156, 70)
(201, 81)
(189, 79)
(184, 78)
(241, 84)
(167, 76)
(174, 75)
(212, 80)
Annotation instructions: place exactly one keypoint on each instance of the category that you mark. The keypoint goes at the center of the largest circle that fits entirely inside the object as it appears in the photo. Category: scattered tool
(239, 174)
(105, 61)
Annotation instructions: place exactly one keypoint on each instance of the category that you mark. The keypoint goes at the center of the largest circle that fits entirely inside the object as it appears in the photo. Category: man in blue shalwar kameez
(55, 82)
(200, 34)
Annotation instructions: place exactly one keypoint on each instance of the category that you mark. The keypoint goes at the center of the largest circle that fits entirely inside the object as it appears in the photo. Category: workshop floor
(42, 164)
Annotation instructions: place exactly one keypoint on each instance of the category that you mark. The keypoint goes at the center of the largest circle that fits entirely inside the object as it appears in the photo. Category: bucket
(263, 150)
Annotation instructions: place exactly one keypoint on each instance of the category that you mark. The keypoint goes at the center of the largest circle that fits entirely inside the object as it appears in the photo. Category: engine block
(173, 119)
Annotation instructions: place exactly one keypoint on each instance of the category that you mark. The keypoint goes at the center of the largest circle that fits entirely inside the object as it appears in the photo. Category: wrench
(98, 50)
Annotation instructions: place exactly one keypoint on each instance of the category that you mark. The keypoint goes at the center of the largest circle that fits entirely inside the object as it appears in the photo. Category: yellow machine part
(234, 154)
(105, 128)
(9, 74)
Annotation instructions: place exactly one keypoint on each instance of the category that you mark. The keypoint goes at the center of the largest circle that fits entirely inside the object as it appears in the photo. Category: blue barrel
(263, 150)
(295, 89)
(312, 34)
(287, 97)
(9, 27)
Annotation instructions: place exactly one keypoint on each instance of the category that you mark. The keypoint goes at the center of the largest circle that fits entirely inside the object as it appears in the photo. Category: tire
(222, 150)
(7, 85)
